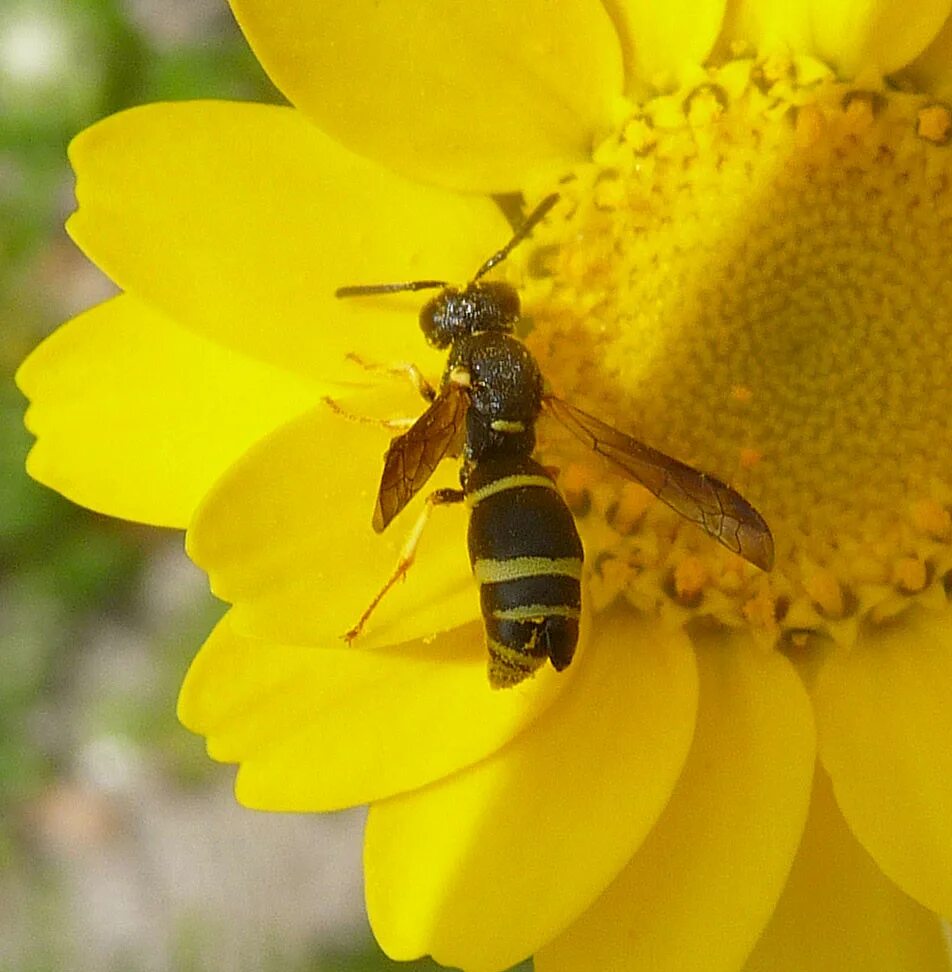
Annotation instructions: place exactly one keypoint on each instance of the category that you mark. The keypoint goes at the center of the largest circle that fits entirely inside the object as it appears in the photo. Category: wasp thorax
(505, 382)
(490, 305)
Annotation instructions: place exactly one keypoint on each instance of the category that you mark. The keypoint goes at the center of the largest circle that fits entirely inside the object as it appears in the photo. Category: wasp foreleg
(410, 371)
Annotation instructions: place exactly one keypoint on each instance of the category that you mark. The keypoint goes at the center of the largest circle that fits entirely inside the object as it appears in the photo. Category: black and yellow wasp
(524, 547)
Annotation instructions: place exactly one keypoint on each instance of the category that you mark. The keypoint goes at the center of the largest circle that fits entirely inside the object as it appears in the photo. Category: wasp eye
(437, 319)
(502, 302)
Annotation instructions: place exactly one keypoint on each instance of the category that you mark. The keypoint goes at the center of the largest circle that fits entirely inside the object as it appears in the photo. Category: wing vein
(700, 498)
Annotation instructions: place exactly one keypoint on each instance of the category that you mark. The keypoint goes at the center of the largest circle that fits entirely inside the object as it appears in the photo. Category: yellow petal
(661, 41)
(769, 26)
(478, 96)
(838, 912)
(879, 35)
(857, 37)
(241, 220)
(483, 868)
(885, 726)
(136, 417)
(701, 888)
(320, 729)
(932, 70)
(285, 535)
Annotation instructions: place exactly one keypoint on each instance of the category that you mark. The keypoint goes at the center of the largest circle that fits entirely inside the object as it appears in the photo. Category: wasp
(524, 547)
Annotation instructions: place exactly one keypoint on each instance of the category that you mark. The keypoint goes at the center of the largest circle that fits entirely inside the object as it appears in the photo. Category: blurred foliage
(67, 574)
(63, 65)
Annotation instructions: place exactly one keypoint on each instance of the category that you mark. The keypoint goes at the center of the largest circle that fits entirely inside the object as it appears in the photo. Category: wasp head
(483, 305)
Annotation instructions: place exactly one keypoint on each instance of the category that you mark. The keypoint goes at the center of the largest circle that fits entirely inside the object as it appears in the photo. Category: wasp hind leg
(439, 497)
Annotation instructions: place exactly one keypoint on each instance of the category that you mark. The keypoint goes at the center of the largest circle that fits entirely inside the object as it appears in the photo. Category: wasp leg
(410, 371)
(338, 409)
(439, 497)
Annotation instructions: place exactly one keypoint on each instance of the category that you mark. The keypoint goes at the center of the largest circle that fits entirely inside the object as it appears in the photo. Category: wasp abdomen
(527, 558)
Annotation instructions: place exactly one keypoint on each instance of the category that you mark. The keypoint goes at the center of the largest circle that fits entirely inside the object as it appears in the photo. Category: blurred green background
(121, 847)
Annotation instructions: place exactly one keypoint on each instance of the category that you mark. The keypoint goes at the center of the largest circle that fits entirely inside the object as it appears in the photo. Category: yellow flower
(749, 268)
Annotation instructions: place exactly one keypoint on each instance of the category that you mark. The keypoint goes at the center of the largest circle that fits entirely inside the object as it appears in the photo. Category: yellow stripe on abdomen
(535, 612)
(505, 483)
(515, 568)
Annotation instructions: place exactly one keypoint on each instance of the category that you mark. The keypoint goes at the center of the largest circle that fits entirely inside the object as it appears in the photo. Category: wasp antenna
(532, 220)
(367, 290)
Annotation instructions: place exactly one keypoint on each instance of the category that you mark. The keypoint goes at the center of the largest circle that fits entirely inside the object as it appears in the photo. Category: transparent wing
(712, 505)
(412, 457)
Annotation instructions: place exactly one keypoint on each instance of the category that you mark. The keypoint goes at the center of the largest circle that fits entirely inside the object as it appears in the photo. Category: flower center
(755, 276)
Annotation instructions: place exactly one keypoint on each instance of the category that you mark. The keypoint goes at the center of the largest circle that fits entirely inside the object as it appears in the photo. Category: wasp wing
(412, 457)
(720, 511)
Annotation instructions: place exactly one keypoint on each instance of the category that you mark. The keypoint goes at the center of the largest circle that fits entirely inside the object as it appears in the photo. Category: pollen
(690, 576)
(754, 276)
